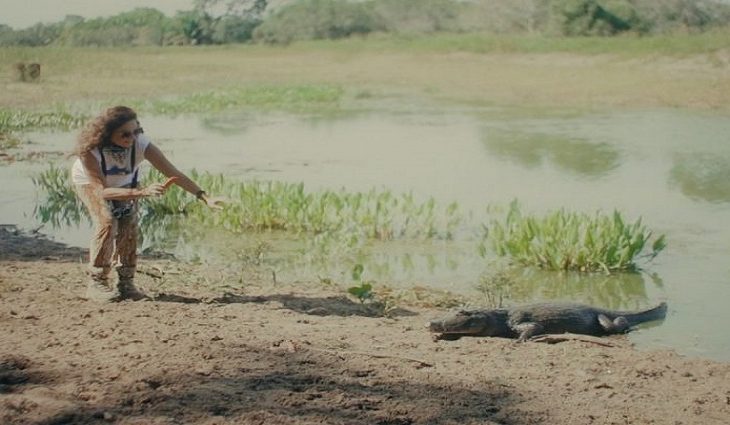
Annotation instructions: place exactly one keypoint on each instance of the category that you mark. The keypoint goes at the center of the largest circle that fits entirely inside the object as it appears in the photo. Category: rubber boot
(100, 288)
(127, 289)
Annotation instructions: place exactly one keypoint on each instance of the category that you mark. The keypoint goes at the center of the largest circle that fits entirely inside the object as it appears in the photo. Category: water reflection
(569, 154)
(236, 123)
(520, 285)
(702, 176)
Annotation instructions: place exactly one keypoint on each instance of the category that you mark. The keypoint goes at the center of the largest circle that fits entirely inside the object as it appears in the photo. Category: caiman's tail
(656, 313)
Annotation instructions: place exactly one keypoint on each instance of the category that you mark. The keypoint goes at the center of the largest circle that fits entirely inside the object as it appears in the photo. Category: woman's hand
(169, 182)
(155, 189)
(215, 202)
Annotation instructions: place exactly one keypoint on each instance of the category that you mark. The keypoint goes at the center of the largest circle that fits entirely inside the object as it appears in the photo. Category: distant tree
(689, 13)
(223, 21)
(235, 21)
(241, 8)
(195, 26)
(139, 17)
(36, 35)
(141, 26)
(418, 16)
(317, 19)
(71, 21)
(234, 29)
(588, 17)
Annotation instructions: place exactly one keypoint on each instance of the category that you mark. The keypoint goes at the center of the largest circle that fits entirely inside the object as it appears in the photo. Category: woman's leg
(126, 257)
(101, 249)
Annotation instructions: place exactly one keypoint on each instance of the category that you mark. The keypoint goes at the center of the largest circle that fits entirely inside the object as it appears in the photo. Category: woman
(110, 150)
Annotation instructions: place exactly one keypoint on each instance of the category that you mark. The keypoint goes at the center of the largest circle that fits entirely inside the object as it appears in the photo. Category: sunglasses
(135, 133)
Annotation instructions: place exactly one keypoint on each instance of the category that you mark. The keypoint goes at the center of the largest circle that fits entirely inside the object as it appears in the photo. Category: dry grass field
(527, 78)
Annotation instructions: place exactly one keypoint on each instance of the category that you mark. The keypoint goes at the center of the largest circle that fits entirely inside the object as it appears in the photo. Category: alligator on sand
(537, 319)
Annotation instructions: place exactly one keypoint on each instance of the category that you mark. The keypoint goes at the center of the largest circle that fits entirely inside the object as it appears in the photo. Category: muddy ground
(301, 354)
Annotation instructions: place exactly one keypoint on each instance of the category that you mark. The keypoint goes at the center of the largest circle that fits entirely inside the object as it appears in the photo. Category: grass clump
(284, 97)
(272, 205)
(287, 97)
(563, 240)
(60, 205)
(13, 120)
(265, 206)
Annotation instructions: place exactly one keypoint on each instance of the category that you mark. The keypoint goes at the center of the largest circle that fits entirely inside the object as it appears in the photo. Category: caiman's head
(464, 322)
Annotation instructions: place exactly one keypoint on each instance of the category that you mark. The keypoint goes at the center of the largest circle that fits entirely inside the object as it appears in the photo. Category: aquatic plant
(60, 205)
(13, 120)
(364, 290)
(272, 205)
(563, 240)
(286, 97)
(289, 97)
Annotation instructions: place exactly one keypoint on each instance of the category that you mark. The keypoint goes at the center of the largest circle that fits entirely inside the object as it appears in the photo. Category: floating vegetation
(13, 120)
(285, 97)
(563, 240)
(288, 97)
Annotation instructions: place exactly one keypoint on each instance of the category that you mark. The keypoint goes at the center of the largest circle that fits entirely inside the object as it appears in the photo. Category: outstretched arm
(158, 160)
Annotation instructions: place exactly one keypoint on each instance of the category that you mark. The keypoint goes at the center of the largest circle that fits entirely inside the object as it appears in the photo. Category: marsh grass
(16, 120)
(272, 205)
(310, 230)
(264, 206)
(292, 98)
(563, 240)
(286, 97)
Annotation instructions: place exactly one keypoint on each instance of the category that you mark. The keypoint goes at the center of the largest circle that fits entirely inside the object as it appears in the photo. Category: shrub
(317, 19)
(418, 16)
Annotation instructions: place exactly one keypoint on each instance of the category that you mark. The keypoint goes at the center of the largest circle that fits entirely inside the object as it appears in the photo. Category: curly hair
(98, 132)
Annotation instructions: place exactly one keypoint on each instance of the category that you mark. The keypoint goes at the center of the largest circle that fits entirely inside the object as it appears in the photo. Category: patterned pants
(114, 243)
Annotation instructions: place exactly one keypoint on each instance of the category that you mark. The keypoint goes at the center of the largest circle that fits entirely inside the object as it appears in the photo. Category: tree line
(242, 21)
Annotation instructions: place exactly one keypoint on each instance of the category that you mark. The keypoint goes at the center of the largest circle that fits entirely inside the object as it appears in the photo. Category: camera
(121, 209)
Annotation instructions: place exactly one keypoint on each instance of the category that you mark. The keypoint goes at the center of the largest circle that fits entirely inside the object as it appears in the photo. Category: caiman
(537, 319)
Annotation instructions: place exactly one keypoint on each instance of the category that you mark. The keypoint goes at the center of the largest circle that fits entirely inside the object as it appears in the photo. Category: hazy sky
(24, 13)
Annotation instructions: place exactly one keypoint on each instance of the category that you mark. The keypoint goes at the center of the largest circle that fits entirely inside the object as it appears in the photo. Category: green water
(670, 167)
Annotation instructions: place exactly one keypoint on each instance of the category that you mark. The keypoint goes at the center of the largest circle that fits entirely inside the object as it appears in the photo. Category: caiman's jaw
(436, 326)
(460, 323)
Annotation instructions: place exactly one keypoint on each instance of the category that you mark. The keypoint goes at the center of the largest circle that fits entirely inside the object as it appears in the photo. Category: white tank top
(119, 170)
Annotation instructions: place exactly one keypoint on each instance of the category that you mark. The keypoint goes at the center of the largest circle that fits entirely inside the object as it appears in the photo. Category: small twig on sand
(556, 338)
(379, 356)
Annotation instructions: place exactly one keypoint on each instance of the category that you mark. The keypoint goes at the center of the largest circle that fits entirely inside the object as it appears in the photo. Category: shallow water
(671, 167)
